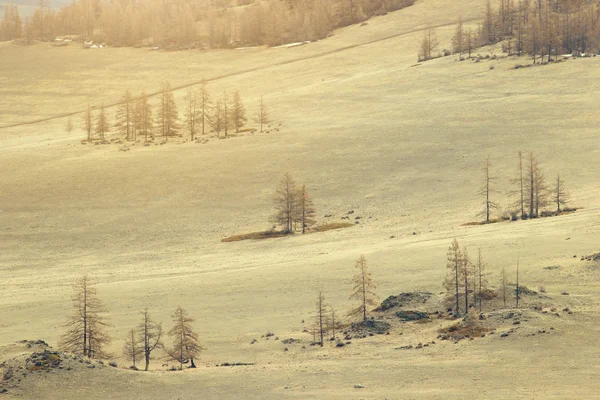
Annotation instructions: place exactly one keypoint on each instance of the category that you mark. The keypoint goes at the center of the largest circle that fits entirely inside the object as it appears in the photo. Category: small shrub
(542, 289)
(113, 364)
(491, 67)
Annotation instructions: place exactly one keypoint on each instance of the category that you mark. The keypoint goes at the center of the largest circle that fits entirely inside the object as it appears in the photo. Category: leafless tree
(85, 333)
(150, 334)
(466, 274)
(455, 261)
(305, 212)
(320, 317)
(520, 184)
(132, 350)
(204, 103)
(363, 289)
(517, 289)
(191, 112)
(238, 112)
(167, 115)
(286, 203)
(503, 285)
(487, 190)
(185, 340)
(560, 194)
(125, 116)
(480, 278)
(458, 39)
(217, 120)
(144, 116)
(102, 125)
(264, 116)
(69, 126)
(87, 122)
(429, 45)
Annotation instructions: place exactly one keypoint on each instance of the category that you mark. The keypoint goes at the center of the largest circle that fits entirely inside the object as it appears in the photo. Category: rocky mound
(404, 300)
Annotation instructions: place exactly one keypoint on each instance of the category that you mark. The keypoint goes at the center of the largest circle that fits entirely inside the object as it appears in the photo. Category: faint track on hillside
(247, 71)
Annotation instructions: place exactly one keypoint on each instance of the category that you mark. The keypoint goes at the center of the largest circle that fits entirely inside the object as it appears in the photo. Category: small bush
(542, 289)
(113, 364)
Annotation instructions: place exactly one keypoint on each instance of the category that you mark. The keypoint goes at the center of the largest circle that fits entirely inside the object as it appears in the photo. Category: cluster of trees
(135, 116)
(293, 206)
(86, 332)
(197, 23)
(11, 26)
(531, 192)
(363, 291)
(540, 28)
(466, 281)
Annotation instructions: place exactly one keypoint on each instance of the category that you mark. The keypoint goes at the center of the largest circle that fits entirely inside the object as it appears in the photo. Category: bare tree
(482, 281)
(453, 277)
(458, 39)
(225, 122)
(125, 116)
(320, 317)
(191, 112)
(85, 333)
(517, 289)
(204, 104)
(306, 211)
(429, 44)
(144, 116)
(503, 285)
(334, 322)
(132, 350)
(150, 334)
(69, 126)
(487, 190)
(264, 116)
(238, 112)
(520, 183)
(560, 194)
(185, 340)
(286, 203)
(363, 289)
(466, 274)
(102, 126)
(218, 117)
(87, 122)
(167, 112)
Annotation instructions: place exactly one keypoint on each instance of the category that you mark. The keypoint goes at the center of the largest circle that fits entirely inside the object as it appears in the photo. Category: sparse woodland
(193, 24)
(137, 120)
(530, 194)
(541, 29)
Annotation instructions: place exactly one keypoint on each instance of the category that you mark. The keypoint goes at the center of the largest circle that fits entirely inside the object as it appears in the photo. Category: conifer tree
(144, 116)
(132, 350)
(205, 105)
(452, 283)
(560, 194)
(125, 116)
(238, 112)
(191, 112)
(102, 125)
(69, 126)
(150, 335)
(264, 116)
(166, 119)
(487, 190)
(320, 317)
(363, 289)
(305, 212)
(185, 340)
(286, 203)
(87, 122)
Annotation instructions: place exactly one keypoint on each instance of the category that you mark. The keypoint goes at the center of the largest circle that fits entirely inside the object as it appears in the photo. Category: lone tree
(125, 116)
(102, 126)
(486, 191)
(264, 116)
(560, 194)
(150, 334)
(363, 289)
(452, 283)
(306, 212)
(86, 327)
(286, 203)
(132, 350)
(238, 112)
(321, 317)
(87, 122)
(185, 340)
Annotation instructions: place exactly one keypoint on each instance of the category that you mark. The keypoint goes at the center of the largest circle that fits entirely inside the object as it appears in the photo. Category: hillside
(367, 131)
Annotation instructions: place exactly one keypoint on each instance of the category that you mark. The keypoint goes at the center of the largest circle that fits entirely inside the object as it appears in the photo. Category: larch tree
(334, 322)
(503, 285)
(238, 112)
(305, 212)
(559, 194)
(167, 115)
(264, 116)
(204, 105)
(466, 274)
(541, 191)
(191, 112)
(185, 340)
(88, 125)
(150, 335)
(452, 283)
(144, 116)
(363, 289)
(429, 44)
(519, 182)
(132, 350)
(225, 118)
(458, 39)
(69, 126)
(125, 116)
(487, 190)
(286, 203)
(102, 126)
(85, 333)
(517, 289)
(218, 117)
(480, 279)
(321, 317)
